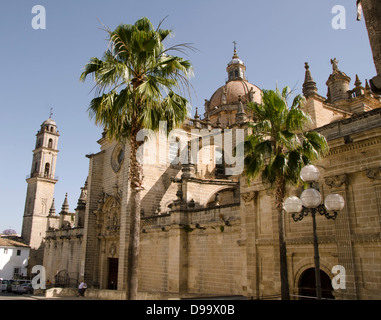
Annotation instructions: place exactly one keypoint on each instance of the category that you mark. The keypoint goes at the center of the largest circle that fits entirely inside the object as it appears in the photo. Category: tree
(277, 149)
(9, 232)
(372, 13)
(139, 83)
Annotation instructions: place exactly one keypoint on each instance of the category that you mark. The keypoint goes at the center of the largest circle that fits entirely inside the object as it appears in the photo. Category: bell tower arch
(40, 190)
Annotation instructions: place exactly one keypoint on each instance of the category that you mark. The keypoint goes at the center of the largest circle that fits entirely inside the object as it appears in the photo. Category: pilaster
(343, 234)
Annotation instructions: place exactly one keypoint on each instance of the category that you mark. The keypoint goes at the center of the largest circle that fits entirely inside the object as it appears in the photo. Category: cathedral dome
(231, 91)
(235, 88)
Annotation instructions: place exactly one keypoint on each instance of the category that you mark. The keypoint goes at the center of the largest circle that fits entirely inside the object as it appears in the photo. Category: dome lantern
(236, 68)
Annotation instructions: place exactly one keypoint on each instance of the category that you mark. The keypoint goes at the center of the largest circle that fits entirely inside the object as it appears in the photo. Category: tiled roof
(6, 242)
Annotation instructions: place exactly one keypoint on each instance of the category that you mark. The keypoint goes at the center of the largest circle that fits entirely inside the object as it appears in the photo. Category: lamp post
(310, 201)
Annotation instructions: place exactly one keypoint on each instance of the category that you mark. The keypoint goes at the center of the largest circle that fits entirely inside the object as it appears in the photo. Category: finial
(65, 205)
(235, 56)
(309, 85)
(357, 82)
(367, 87)
(240, 116)
(218, 123)
(51, 113)
(52, 211)
(196, 116)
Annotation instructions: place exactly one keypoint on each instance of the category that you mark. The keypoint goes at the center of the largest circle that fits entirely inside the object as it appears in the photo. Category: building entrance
(112, 281)
(307, 285)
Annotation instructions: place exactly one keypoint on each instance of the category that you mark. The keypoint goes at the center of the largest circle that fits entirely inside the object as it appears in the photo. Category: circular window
(117, 157)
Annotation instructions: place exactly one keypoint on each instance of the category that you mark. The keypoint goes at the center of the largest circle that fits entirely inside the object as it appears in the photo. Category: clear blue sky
(40, 68)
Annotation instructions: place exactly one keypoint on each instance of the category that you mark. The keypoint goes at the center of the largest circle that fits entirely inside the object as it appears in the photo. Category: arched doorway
(307, 285)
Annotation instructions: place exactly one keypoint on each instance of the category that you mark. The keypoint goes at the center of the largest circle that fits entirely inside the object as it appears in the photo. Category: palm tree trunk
(372, 12)
(279, 198)
(136, 176)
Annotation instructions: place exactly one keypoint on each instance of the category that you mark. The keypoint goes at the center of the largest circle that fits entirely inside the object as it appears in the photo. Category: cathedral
(204, 230)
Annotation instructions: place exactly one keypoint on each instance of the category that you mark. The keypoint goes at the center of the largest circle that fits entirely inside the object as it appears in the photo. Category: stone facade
(206, 232)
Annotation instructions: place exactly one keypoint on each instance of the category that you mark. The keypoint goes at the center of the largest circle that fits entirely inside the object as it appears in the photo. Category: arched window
(47, 169)
(120, 156)
(50, 143)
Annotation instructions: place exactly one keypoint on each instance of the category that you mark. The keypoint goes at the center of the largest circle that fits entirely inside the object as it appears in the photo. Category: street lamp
(310, 201)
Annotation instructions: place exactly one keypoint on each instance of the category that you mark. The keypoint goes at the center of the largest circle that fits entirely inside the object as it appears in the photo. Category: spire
(196, 116)
(359, 90)
(367, 87)
(52, 210)
(207, 122)
(358, 83)
(196, 121)
(235, 56)
(218, 123)
(240, 117)
(65, 206)
(309, 85)
(81, 204)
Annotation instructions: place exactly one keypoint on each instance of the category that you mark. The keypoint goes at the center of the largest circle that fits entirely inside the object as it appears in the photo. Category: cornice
(354, 146)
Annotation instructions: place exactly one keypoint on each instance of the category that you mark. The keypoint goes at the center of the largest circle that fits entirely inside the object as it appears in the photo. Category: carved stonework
(336, 181)
(112, 250)
(374, 174)
(249, 196)
(117, 157)
(108, 212)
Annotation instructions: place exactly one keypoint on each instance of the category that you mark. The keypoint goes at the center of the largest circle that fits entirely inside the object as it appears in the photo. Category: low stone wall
(118, 295)
(60, 292)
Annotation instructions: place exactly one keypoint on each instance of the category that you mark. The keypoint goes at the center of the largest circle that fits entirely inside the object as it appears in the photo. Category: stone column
(89, 263)
(375, 176)
(338, 184)
(249, 210)
(178, 253)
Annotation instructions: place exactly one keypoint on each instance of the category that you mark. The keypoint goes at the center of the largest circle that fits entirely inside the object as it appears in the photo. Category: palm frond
(138, 82)
(278, 138)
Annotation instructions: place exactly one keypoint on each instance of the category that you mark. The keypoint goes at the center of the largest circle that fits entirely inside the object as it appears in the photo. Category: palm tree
(277, 149)
(372, 11)
(139, 83)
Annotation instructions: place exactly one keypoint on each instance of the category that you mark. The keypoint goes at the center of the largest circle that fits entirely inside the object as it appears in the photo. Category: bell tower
(40, 190)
